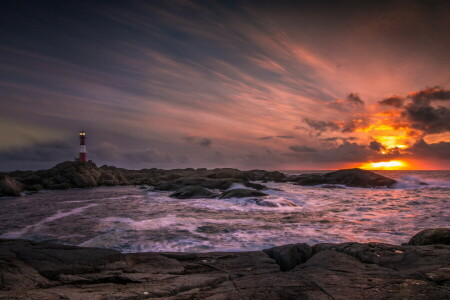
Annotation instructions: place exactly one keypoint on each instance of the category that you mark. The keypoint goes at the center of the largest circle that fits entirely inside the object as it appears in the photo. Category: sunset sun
(385, 165)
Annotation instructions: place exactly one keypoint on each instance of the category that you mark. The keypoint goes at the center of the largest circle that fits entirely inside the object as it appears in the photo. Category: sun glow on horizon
(385, 165)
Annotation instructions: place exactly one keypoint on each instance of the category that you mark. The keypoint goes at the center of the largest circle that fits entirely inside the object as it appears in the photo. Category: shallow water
(131, 219)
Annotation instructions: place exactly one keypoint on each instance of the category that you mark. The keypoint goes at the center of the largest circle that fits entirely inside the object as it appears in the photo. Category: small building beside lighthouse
(83, 156)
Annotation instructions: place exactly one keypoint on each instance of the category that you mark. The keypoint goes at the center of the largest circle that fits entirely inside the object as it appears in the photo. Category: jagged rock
(30, 270)
(289, 256)
(192, 192)
(76, 174)
(431, 237)
(241, 193)
(349, 177)
(9, 186)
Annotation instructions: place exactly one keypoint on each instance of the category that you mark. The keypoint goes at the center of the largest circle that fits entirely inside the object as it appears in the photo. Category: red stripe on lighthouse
(83, 156)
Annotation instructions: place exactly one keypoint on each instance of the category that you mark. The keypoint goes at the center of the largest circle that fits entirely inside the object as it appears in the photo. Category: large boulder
(9, 186)
(349, 177)
(431, 237)
(289, 256)
(241, 193)
(192, 192)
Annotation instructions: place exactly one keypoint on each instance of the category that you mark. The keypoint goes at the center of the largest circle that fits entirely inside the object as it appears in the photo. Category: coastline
(417, 270)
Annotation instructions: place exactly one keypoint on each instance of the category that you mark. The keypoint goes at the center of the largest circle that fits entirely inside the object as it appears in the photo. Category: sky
(279, 85)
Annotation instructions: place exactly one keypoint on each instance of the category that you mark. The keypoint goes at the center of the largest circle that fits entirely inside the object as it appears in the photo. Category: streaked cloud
(206, 84)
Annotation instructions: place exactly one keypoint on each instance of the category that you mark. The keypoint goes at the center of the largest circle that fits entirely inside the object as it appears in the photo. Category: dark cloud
(422, 110)
(350, 103)
(336, 138)
(427, 95)
(424, 150)
(395, 101)
(354, 98)
(374, 145)
(352, 125)
(321, 126)
(150, 155)
(189, 138)
(302, 149)
(48, 152)
(345, 152)
(278, 136)
(342, 126)
(205, 142)
(428, 118)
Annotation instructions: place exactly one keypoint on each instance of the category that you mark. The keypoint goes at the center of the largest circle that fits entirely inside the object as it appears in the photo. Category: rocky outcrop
(241, 193)
(349, 177)
(431, 237)
(76, 174)
(192, 192)
(9, 186)
(31, 270)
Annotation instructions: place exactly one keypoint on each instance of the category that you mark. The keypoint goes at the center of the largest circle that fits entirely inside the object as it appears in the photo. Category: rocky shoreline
(185, 183)
(417, 270)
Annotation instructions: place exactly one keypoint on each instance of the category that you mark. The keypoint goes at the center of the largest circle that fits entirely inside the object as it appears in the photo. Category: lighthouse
(82, 157)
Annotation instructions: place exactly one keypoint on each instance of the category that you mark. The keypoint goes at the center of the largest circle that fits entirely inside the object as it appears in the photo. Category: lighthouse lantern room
(83, 146)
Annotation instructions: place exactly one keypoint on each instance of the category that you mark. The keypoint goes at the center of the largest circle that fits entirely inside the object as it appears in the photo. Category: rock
(431, 237)
(289, 256)
(344, 277)
(241, 193)
(30, 270)
(50, 260)
(349, 177)
(76, 174)
(192, 192)
(9, 186)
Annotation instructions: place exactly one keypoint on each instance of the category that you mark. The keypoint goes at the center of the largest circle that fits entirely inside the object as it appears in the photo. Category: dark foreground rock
(431, 236)
(349, 177)
(31, 270)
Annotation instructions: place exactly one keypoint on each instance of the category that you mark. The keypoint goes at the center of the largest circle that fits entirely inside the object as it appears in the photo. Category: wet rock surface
(349, 177)
(431, 236)
(30, 270)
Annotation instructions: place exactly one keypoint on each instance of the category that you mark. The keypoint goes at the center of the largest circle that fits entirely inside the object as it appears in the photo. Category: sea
(140, 219)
